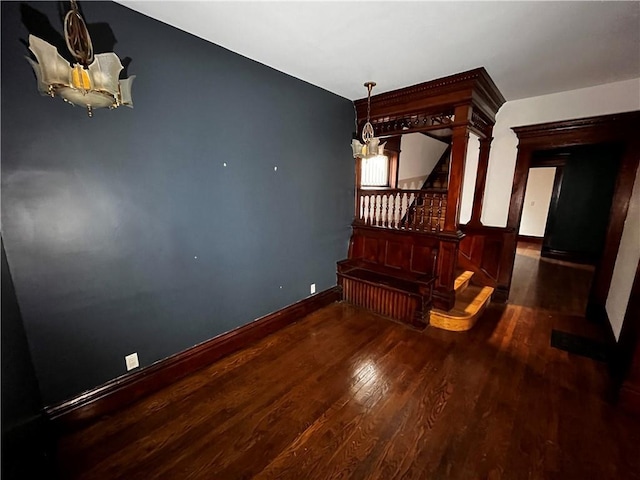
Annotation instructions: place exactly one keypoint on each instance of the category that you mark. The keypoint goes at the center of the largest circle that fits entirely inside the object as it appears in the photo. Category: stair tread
(462, 277)
(468, 303)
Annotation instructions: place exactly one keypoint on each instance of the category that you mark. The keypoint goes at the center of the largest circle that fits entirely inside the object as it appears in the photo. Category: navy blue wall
(579, 225)
(26, 438)
(126, 233)
(20, 396)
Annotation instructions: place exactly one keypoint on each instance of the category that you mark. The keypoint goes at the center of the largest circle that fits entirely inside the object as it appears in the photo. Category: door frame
(621, 129)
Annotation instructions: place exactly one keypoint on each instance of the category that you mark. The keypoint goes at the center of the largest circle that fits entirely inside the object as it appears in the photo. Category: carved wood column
(459, 142)
(481, 179)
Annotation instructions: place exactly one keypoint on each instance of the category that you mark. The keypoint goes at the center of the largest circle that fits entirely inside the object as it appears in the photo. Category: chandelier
(371, 147)
(91, 82)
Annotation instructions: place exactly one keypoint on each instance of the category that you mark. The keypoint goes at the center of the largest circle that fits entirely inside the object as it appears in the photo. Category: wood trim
(629, 399)
(553, 206)
(530, 239)
(618, 214)
(471, 86)
(547, 162)
(131, 387)
(392, 151)
(627, 360)
(598, 314)
(618, 129)
(587, 130)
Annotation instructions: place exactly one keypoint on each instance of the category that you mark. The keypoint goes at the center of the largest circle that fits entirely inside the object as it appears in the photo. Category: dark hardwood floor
(347, 394)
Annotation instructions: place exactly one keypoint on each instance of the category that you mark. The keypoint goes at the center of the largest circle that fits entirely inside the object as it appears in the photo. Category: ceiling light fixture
(92, 82)
(371, 146)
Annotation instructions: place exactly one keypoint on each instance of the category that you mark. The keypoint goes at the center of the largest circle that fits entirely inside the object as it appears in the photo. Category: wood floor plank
(345, 394)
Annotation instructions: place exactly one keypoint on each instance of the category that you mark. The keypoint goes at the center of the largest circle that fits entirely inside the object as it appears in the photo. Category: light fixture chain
(369, 87)
(77, 37)
(367, 130)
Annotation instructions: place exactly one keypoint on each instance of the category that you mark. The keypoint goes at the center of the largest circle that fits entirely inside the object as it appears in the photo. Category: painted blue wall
(126, 233)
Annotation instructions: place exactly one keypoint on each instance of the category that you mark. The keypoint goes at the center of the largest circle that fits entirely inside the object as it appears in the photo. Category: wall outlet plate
(313, 288)
(132, 361)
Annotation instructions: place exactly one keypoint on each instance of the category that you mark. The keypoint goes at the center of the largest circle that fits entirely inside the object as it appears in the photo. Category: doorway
(568, 200)
(619, 130)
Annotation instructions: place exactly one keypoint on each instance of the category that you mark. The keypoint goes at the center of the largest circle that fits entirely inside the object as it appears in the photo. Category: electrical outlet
(132, 361)
(313, 288)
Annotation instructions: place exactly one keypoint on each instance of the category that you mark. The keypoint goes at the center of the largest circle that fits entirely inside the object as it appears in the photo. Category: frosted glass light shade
(125, 91)
(104, 70)
(372, 149)
(356, 146)
(95, 87)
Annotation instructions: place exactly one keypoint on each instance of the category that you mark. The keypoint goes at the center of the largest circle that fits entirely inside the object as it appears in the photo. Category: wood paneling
(396, 249)
(484, 251)
(391, 273)
(384, 300)
(129, 388)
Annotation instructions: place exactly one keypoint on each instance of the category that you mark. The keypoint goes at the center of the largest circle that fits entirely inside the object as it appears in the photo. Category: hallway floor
(347, 394)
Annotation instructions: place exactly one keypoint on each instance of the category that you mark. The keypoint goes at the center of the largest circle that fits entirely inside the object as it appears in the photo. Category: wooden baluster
(365, 202)
(407, 212)
(387, 222)
(396, 203)
(430, 214)
(443, 200)
(440, 216)
(412, 210)
(371, 210)
(422, 224)
(379, 210)
(415, 213)
(365, 209)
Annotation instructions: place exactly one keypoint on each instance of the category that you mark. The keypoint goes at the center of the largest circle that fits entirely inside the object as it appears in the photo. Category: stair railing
(412, 210)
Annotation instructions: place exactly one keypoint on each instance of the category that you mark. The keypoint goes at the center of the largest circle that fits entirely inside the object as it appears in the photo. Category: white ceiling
(529, 48)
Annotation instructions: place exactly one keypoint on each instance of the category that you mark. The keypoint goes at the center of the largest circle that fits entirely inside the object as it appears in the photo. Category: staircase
(406, 244)
(471, 300)
(439, 176)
